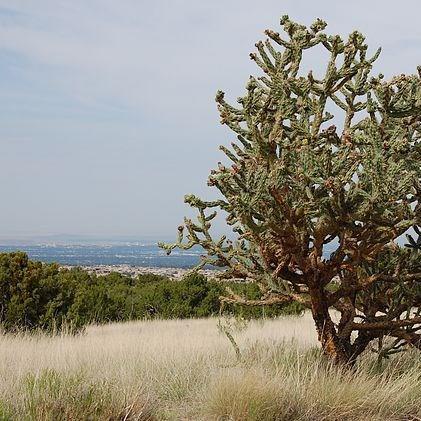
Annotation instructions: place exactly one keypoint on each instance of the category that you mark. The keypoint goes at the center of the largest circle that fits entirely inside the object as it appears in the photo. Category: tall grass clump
(51, 395)
(189, 370)
(283, 383)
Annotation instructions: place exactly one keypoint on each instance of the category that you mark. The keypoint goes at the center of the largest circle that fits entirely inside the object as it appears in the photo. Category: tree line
(35, 295)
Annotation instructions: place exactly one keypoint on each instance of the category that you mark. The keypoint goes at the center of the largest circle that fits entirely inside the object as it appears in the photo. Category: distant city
(111, 253)
(119, 252)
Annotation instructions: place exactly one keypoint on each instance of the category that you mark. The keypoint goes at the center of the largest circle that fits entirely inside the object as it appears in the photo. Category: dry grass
(187, 369)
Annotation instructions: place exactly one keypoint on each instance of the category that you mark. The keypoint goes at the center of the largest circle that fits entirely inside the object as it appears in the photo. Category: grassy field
(189, 370)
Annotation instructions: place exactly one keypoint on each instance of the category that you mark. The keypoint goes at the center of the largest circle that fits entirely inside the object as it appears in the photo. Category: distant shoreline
(135, 271)
(122, 255)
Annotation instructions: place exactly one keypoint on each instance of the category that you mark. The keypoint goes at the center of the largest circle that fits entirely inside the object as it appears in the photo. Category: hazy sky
(107, 113)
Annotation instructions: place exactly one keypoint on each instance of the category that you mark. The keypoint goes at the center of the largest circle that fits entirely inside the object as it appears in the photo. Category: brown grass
(187, 369)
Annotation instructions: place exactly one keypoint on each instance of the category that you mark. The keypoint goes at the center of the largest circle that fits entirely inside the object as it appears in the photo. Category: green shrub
(34, 295)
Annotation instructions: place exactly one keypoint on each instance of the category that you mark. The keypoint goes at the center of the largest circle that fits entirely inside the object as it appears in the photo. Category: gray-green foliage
(298, 185)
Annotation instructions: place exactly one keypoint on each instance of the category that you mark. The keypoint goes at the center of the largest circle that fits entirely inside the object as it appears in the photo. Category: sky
(107, 112)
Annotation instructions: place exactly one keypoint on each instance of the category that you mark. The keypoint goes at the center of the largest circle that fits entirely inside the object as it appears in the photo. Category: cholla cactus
(318, 208)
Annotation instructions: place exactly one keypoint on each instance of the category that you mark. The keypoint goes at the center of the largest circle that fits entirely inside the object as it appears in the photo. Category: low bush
(34, 295)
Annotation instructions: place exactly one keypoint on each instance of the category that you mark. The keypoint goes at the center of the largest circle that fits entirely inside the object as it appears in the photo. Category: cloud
(112, 102)
(160, 54)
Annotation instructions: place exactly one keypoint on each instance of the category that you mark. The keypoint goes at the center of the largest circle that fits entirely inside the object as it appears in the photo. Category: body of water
(118, 253)
(135, 254)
